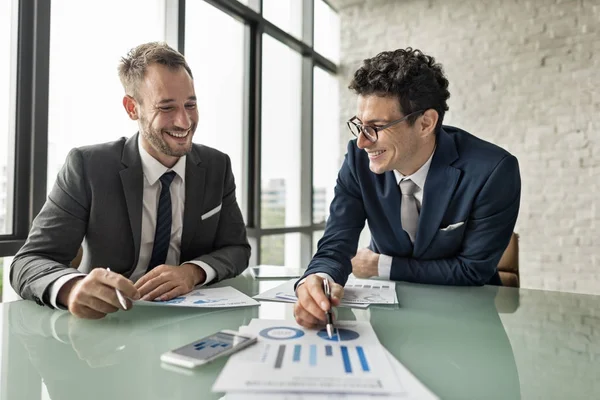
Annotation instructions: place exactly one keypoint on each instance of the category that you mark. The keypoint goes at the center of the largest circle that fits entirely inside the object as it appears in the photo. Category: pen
(120, 296)
(329, 325)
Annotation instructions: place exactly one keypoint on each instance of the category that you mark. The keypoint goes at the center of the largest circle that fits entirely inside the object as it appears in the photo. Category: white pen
(120, 296)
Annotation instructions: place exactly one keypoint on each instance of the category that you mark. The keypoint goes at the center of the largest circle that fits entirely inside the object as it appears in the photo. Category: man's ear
(130, 107)
(428, 122)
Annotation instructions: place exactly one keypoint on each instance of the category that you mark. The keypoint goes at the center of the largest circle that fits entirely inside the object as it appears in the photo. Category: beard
(156, 139)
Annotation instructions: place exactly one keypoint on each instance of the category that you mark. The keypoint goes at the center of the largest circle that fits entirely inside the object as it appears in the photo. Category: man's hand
(312, 303)
(94, 296)
(166, 282)
(365, 264)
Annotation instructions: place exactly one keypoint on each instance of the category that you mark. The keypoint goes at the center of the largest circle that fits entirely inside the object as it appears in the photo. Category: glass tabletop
(461, 342)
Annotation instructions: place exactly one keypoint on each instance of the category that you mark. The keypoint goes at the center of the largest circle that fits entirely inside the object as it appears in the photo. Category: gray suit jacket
(96, 202)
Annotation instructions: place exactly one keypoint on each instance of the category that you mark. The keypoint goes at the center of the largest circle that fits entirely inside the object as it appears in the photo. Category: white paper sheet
(289, 358)
(358, 293)
(220, 297)
(414, 390)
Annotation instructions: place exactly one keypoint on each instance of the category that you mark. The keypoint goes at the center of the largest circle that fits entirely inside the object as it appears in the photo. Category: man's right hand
(93, 296)
(312, 303)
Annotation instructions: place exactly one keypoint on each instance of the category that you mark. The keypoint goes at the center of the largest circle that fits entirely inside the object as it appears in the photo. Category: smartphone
(207, 349)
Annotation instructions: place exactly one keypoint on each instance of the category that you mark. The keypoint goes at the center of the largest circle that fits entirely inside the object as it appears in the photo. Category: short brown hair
(132, 67)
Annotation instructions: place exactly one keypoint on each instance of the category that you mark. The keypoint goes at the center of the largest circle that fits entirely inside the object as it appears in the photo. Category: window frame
(32, 49)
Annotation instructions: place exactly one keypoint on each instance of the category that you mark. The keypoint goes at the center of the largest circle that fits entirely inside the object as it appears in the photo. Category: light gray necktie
(409, 211)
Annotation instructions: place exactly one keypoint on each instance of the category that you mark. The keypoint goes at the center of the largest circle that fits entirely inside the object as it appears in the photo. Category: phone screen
(211, 345)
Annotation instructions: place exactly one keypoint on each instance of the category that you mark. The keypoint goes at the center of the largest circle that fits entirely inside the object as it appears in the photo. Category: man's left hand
(365, 264)
(166, 282)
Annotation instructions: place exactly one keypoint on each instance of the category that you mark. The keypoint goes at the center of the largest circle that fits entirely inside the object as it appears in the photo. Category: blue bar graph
(297, 349)
(363, 359)
(346, 358)
(328, 350)
(312, 359)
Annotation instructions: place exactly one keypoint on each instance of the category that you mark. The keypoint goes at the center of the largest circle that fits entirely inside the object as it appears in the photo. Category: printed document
(359, 293)
(220, 297)
(289, 358)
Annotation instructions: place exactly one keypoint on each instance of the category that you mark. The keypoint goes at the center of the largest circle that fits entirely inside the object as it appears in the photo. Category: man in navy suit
(441, 204)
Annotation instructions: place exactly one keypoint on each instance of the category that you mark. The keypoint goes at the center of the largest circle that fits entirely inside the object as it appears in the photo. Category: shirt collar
(418, 177)
(153, 169)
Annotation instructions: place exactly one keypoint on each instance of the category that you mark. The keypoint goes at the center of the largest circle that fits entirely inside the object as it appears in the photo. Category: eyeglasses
(372, 132)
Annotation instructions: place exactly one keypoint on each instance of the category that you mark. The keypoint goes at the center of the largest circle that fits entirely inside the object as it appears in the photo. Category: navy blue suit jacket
(469, 180)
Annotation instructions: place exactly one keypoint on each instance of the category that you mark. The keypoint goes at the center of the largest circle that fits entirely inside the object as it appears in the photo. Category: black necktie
(162, 235)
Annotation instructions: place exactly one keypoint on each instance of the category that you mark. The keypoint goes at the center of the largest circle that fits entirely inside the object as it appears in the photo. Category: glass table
(462, 342)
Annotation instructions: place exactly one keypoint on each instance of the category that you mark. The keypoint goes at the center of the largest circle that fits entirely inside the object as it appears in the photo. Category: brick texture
(523, 75)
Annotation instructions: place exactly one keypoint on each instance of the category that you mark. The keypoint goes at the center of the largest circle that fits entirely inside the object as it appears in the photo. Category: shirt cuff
(56, 286)
(384, 266)
(210, 272)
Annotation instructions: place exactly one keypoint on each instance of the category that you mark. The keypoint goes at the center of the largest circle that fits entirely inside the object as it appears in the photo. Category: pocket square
(212, 212)
(452, 227)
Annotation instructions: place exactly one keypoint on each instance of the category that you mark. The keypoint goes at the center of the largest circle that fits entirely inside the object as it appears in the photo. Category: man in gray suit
(155, 214)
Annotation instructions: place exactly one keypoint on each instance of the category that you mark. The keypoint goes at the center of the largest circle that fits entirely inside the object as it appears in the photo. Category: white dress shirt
(153, 170)
(384, 266)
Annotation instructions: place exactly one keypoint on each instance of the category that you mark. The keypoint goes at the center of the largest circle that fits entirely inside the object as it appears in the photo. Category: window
(327, 31)
(85, 92)
(265, 96)
(326, 142)
(317, 235)
(280, 172)
(7, 145)
(253, 4)
(6, 291)
(2, 276)
(218, 68)
(281, 250)
(286, 14)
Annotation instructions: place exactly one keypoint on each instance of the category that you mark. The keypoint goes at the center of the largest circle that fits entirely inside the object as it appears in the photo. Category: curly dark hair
(411, 76)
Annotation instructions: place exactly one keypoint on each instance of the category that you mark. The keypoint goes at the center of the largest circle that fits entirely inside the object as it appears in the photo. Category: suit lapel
(439, 188)
(195, 181)
(132, 180)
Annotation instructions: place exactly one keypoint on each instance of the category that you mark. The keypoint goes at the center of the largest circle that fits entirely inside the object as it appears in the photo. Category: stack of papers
(296, 363)
(221, 297)
(358, 293)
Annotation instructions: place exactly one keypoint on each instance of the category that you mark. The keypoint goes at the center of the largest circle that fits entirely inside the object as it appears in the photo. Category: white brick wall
(523, 75)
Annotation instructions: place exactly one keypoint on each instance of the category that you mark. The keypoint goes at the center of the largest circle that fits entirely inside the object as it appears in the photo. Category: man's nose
(362, 142)
(183, 120)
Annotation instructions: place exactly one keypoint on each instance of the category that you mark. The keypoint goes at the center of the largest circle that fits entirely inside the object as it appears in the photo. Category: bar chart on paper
(342, 357)
(290, 358)
(350, 359)
(357, 293)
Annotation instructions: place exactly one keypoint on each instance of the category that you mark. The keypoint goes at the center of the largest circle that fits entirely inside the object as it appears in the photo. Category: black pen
(329, 325)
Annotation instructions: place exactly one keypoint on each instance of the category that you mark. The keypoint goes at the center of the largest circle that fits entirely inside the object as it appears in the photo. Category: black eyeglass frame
(373, 137)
